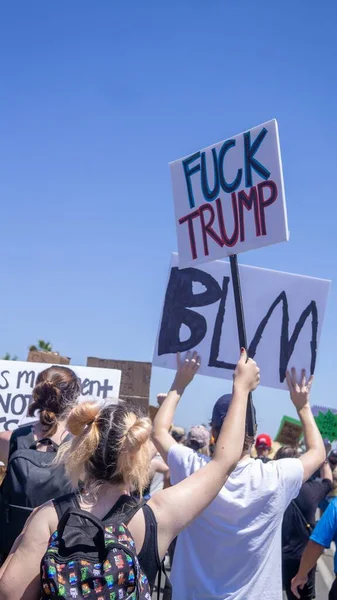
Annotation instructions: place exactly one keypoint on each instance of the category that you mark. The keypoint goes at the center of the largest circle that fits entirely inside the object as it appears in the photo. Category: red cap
(263, 440)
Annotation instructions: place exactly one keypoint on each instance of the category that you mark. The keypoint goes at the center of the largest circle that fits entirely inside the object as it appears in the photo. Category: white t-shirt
(157, 482)
(233, 549)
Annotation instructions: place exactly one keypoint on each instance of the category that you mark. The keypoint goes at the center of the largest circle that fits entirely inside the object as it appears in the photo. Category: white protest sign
(17, 380)
(284, 316)
(229, 197)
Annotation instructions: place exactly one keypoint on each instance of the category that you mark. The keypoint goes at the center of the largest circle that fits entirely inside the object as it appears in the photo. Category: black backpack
(88, 558)
(30, 480)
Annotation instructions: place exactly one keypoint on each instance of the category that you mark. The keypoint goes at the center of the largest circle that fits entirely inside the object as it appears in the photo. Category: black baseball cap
(220, 410)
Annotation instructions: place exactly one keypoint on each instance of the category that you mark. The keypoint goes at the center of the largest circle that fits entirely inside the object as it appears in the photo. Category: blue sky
(95, 99)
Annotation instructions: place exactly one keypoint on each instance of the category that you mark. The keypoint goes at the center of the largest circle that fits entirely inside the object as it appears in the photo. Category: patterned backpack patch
(92, 560)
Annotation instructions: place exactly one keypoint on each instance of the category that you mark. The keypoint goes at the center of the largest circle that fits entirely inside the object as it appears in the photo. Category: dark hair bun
(48, 420)
(57, 389)
(46, 399)
(47, 396)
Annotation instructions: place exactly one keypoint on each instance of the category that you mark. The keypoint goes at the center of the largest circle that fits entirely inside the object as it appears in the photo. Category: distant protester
(325, 532)
(263, 446)
(178, 434)
(299, 522)
(198, 438)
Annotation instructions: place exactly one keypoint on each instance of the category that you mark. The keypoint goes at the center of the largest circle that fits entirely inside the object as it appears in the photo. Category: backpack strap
(125, 509)
(25, 434)
(167, 590)
(302, 517)
(62, 504)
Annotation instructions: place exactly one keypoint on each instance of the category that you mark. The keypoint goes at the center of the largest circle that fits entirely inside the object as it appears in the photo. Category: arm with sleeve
(319, 489)
(326, 529)
(291, 476)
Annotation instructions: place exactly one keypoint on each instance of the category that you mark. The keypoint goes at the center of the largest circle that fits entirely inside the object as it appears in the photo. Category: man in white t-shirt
(233, 549)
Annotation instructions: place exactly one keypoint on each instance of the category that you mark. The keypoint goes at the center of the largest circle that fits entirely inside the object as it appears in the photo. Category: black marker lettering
(215, 345)
(178, 301)
(29, 378)
(4, 385)
(287, 344)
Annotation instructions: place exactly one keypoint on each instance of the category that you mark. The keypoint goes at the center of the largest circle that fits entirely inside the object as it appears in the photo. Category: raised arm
(164, 417)
(177, 506)
(315, 455)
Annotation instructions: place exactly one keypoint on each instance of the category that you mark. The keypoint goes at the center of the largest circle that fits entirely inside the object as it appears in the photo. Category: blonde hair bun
(82, 415)
(138, 432)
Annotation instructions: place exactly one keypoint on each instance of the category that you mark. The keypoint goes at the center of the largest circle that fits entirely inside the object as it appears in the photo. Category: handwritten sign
(136, 377)
(17, 380)
(290, 432)
(284, 316)
(229, 197)
(327, 425)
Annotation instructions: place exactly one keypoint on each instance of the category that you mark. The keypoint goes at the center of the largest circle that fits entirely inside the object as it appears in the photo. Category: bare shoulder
(44, 517)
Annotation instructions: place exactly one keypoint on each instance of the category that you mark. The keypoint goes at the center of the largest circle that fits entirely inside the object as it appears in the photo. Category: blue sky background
(95, 99)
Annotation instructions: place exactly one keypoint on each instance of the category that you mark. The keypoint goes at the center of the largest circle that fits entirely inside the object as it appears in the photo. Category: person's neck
(245, 455)
(106, 497)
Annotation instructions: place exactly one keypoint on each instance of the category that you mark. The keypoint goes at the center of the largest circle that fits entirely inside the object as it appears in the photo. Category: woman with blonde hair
(110, 454)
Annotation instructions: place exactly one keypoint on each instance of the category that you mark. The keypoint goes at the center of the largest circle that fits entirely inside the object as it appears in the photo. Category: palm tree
(7, 356)
(42, 346)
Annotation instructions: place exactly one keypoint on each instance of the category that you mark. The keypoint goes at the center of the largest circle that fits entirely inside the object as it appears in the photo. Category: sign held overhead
(284, 316)
(229, 197)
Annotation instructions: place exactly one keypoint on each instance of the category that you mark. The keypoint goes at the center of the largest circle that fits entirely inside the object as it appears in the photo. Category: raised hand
(299, 392)
(186, 369)
(247, 373)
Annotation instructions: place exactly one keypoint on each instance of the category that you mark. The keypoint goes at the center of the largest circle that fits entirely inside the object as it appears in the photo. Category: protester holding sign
(237, 539)
(29, 451)
(110, 454)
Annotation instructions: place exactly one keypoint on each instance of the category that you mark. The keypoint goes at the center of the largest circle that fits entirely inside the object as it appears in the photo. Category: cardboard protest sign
(327, 425)
(135, 381)
(284, 316)
(229, 197)
(290, 432)
(17, 380)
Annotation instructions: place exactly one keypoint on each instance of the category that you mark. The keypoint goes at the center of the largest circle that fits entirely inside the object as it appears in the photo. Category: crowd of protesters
(94, 496)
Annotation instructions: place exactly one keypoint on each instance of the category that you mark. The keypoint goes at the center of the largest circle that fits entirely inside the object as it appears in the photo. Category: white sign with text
(17, 380)
(229, 197)
(283, 312)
